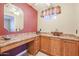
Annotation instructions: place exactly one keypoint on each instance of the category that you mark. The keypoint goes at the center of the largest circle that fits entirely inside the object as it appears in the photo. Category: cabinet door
(70, 48)
(55, 47)
(45, 44)
(31, 47)
(37, 44)
(34, 46)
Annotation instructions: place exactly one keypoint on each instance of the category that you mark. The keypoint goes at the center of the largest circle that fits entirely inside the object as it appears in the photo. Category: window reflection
(9, 23)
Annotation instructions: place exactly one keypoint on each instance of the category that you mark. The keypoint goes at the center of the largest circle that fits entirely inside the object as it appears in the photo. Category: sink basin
(5, 38)
(57, 33)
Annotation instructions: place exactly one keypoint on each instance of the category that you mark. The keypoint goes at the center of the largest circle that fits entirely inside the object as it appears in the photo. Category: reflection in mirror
(13, 18)
(9, 23)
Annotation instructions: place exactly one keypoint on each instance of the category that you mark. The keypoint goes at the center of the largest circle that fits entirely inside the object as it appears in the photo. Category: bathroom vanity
(17, 42)
(44, 42)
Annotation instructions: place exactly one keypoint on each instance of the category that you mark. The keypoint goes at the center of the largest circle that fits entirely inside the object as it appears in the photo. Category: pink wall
(1, 19)
(30, 19)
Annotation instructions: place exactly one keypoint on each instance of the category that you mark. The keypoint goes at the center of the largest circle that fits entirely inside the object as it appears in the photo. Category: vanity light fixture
(51, 11)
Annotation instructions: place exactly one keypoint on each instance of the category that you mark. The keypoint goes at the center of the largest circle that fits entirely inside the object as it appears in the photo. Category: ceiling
(40, 6)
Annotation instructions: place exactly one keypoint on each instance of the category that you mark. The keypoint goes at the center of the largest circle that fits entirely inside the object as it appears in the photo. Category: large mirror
(13, 18)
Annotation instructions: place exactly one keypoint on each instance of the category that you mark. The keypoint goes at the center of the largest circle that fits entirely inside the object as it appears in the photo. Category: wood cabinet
(55, 46)
(45, 44)
(37, 44)
(59, 47)
(78, 48)
(34, 46)
(70, 48)
(51, 46)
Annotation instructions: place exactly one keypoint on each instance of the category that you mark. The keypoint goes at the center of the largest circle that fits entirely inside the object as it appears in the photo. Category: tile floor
(41, 54)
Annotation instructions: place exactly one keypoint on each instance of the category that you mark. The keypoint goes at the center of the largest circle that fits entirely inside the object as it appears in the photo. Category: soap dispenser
(76, 31)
